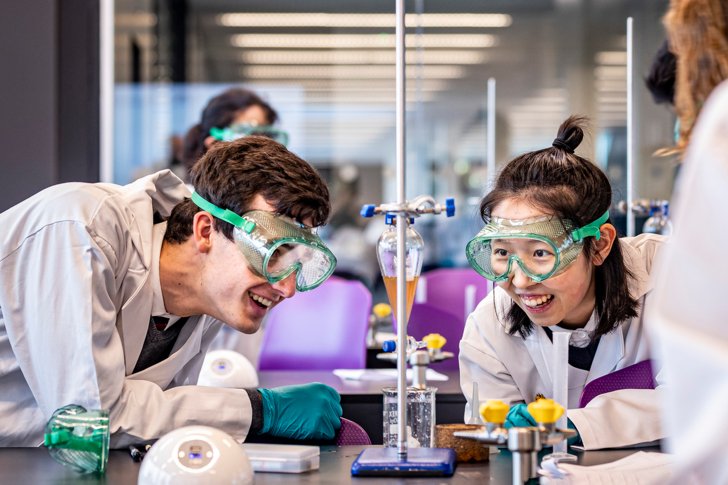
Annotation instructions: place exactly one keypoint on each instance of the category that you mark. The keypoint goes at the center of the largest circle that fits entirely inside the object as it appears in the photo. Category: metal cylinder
(524, 443)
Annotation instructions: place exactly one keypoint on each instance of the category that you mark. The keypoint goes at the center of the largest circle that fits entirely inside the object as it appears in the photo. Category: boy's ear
(603, 246)
(202, 231)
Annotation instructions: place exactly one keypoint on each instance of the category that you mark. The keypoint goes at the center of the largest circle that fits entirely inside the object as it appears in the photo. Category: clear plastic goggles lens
(278, 246)
(496, 258)
(312, 265)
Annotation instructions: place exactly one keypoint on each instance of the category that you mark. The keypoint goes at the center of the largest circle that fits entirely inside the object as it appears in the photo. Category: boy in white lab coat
(559, 267)
(110, 296)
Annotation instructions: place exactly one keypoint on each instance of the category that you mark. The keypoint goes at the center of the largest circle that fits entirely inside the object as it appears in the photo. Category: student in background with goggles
(234, 113)
(558, 266)
(111, 295)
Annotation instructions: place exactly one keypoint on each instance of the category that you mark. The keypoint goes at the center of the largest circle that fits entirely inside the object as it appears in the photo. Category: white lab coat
(510, 368)
(75, 303)
(688, 317)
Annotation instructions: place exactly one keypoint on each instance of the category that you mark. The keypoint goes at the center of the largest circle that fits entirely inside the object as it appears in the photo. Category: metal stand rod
(401, 235)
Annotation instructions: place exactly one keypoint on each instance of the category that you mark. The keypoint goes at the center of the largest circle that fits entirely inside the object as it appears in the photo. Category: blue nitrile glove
(305, 412)
(518, 415)
(574, 440)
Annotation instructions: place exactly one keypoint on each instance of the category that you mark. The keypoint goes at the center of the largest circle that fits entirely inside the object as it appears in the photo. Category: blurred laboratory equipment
(196, 455)
(560, 382)
(227, 368)
(524, 442)
(380, 319)
(659, 220)
(78, 438)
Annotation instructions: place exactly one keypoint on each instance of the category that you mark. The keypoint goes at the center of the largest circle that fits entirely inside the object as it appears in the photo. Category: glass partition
(328, 69)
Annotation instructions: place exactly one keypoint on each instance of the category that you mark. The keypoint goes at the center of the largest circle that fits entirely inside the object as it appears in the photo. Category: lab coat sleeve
(60, 306)
(480, 363)
(621, 418)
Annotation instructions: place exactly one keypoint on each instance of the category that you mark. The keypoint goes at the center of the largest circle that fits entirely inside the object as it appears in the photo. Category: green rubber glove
(518, 415)
(305, 412)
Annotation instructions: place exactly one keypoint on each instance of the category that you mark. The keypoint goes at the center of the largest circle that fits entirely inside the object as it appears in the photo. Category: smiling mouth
(260, 301)
(537, 302)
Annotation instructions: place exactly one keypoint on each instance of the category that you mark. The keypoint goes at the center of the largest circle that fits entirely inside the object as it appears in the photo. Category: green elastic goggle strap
(225, 214)
(590, 230)
(220, 134)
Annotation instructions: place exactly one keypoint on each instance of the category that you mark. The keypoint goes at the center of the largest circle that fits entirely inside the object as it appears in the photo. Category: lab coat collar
(158, 192)
(158, 308)
(609, 352)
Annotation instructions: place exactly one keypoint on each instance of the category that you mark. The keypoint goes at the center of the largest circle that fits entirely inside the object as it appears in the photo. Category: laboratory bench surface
(35, 465)
(362, 401)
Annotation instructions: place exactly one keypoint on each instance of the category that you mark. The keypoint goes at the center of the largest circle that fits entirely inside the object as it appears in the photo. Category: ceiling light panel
(362, 20)
(350, 72)
(360, 57)
(361, 41)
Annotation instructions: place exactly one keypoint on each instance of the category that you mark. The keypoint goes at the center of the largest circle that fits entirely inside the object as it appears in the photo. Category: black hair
(661, 79)
(572, 188)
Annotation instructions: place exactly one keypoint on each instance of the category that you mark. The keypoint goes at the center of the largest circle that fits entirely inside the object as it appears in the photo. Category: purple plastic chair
(351, 433)
(425, 319)
(321, 329)
(636, 376)
(447, 289)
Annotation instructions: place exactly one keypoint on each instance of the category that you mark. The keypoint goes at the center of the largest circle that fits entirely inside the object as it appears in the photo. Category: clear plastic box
(282, 458)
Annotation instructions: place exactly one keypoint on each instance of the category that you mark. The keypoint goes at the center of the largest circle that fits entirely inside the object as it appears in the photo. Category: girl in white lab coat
(558, 266)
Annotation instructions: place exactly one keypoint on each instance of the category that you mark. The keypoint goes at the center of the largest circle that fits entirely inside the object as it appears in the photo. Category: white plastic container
(282, 458)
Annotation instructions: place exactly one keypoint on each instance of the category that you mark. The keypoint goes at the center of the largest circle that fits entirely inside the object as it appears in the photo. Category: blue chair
(321, 329)
(455, 290)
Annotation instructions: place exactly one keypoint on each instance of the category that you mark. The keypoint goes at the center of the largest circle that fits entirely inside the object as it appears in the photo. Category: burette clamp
(423, 204)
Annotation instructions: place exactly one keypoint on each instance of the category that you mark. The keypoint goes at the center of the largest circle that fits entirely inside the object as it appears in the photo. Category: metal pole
(106, 90)
(630, 129)
(401, 235)
(490, 133)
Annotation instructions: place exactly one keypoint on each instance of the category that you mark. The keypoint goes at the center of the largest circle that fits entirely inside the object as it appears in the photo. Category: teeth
(534, 302)
(263, 301)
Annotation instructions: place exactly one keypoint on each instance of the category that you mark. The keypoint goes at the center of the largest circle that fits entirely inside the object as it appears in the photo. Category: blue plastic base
(422, 462)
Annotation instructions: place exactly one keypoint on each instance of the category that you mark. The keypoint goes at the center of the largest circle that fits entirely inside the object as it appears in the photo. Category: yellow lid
(545, 411)
(382, 310)
(434, 340)
(494, 411)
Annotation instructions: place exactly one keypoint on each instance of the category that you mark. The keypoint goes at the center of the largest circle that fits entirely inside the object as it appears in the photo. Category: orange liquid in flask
(390, 283)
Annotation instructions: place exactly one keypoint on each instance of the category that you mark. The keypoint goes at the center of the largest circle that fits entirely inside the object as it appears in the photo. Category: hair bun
(559, 143)
(570, 134)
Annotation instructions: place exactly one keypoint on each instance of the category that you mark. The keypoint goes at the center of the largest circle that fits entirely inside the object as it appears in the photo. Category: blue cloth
(303, 412)
(518, 415)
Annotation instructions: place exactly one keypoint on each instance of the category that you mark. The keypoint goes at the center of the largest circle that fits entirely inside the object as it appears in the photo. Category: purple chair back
(446, 288)
(321, 329)
(351, 433)
(426, 318)
(636, 376)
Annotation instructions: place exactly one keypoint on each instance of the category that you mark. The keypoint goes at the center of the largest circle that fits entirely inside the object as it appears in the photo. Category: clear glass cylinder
(420, 417)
